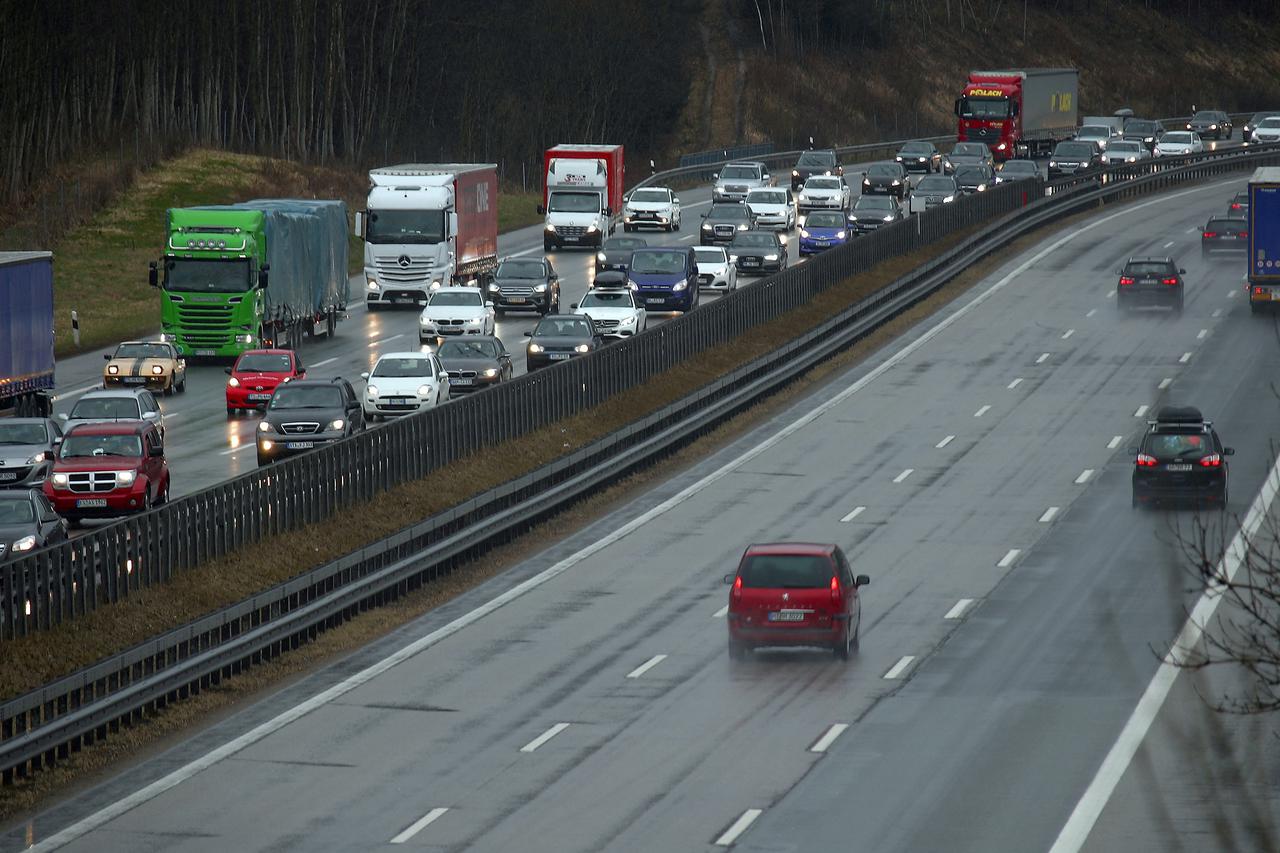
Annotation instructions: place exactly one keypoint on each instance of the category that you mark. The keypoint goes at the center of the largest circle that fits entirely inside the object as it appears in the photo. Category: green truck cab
(257, 274)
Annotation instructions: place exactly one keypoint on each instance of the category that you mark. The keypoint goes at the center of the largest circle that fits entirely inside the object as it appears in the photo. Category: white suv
(735, 180)
(651, 207)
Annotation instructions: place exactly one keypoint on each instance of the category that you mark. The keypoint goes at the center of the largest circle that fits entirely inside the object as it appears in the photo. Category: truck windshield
(194, 275)
(574, 203)
(405, 226)
(984, 108)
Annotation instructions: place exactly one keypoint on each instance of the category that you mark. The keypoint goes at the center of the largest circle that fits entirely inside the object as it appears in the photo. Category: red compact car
(256, 374)
(108, 469)
(794, 594)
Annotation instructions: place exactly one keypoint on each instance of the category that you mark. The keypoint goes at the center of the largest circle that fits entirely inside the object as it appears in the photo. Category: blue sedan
(822, 230)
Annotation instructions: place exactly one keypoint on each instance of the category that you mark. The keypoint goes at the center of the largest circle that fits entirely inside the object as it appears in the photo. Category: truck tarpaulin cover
(26, 322)
(477, 206)
(1264, 232)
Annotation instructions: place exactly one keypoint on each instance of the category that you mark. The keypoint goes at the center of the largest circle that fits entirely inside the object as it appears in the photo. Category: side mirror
(607, 211)
(861, 580)
(62, 417)
(106, 356)
(364, 375)
(542, 210)
(675, 200)
(955, 106)
(153, 274)
(226, 370)
(150, 416)
(1181, 271)
(1228, 451)
(573, 306)
(529, 334)
(715, 176)
(157, 450)
(262, 276)
(360, 217)
(728, 579)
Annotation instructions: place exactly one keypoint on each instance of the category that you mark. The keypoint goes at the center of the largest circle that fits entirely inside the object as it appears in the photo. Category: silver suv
(735, 180)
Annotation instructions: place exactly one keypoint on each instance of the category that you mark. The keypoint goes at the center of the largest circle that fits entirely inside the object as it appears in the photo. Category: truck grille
(982, 134)
(300, 428)
(571, 230)
(419, 268)
(85, 482)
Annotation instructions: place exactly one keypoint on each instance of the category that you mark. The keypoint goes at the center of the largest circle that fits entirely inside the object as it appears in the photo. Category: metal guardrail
(63, 716)
(723, 154)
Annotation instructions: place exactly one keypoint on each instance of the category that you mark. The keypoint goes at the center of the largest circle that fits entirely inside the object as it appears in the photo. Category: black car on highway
(1017, 170)
(27, 522)
(967, 154)
(919, 157)
(615, 254)
(975, 179)
(560, 337)
(528, 283)
(1071, 157)
(1150, 281)
(473, 363)
(758, 252)
(1239, 206)
(1180, 458)
(1146, 131)
(871, 212)
(723, 222)
(305, 414)
(1224, 234)
(817, 162)
(1213, 123)
(886, 179)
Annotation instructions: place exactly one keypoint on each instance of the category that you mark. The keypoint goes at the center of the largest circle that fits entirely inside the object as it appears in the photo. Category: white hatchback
(774, 207)
(1179, 142)
(402, 383)
(715, 270)
(453, 312)
(651, 207)
(614, 312)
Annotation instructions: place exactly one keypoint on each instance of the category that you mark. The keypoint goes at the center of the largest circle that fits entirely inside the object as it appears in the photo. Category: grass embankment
(39, 658)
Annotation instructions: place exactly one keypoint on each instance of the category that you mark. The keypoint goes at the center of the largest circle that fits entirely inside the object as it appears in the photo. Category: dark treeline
(337, 80)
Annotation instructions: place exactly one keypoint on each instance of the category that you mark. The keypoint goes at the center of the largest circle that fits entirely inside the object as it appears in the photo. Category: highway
(976, 469)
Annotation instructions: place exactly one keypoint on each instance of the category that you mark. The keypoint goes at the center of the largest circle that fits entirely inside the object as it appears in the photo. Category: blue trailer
(1264, 239)
(26, 333)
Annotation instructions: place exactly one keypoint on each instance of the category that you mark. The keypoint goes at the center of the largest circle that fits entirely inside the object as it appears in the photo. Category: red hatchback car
(794, 594)
(108, 469)
(256, 374)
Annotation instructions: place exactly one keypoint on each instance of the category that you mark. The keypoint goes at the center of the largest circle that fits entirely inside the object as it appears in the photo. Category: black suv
(1213, 123)
(1150, 281)
(724, 220)
(822, 162)
(1146, 131)
(305, 414)
(1180, 458)
(1224, 233)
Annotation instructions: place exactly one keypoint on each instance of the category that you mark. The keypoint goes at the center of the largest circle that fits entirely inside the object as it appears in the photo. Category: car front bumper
(14, 476)
(120, 501)
(247, 398)
(276, 446)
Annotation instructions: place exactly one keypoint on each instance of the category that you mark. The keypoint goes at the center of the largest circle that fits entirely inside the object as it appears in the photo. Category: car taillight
(1168, 281)
(1145, 461)
(1124, 279)
(737, 587)
(1242, 233)
(1235, 205)
(1259, 290)
(1213, 460)
(835, 590)
(1210, 234)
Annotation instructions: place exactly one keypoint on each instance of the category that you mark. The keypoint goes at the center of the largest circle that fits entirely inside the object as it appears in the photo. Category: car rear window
(1148, 268)
(1178, 445)
(785, 571)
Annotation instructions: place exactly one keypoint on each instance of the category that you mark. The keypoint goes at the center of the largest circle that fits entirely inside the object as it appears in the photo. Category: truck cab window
(990, 108)
(406, 226)
(197, 275)
(571, 202)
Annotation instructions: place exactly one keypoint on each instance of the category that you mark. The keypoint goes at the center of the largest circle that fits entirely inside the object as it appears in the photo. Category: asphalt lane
(594, 707)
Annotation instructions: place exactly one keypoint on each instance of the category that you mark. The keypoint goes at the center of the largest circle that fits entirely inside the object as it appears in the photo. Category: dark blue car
(822, 230)
(665, 279)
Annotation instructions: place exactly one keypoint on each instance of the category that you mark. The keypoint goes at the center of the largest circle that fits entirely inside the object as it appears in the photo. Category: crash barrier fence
(724, 154)
(48, 724)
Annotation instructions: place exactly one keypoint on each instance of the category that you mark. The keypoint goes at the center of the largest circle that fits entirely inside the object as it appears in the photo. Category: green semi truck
(257, 274)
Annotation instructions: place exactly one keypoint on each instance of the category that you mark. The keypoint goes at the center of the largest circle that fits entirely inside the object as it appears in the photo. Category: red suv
(256, 374)
(108, 469)
(794, 594)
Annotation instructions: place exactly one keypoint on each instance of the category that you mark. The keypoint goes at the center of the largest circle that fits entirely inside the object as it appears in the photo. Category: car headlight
(435, 285)
(866, 182)
(540, 288)
(742, 226)
(425, 390)
(535, 348)
(627, 321)
(897, 183)
(1053, 164)
(591, 229)
(601, 257)
(982, 187)
(795, 173)
(233, 382)
(372, 390)
(840, 235)
(733, 259)
(168, 338)
(26, 543)
(112, 369)
(551, 228)
(264, 426)
(680, 285)
(126, 478)
(156, 370)
(706, 226)
(1149, 139)
(59, 481)
(582, 348)
(804, 233)
(772, 257)
(947, 199)
(471, 321)
(923, 159)
(1213, 127)
(1106, 159)
(493, 288)
(489, 372)
(372, 284)
(1131, 159)
(889, 218)
(40, 457)
(337, 423)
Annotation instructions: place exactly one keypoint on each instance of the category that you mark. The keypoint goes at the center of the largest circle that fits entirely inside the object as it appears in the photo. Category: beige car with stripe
(145, 364)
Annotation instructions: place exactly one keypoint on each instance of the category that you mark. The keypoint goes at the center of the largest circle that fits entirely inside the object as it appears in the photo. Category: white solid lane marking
(646, 666)
(418, 825)
(77, 392)
(323, 363)
(1114, 442)
(1140, 411)
(740, 825)
(1092, 311)
(958, 608)
(1007, 560)
(236, 449)
(1184, 358)
(544, 737)
(1217, 312)
(1190, 231)
(1086, 812)
(904, 475)
(1167, 245)
(1231, 294)
(1084, 476)
(1015, 383)
(373, 344)
(1202, 334)
(688, 237)
(1044, 356)
(854, 513)
(719, 614)
(1111, 294)
(176, 777)
(1068, 333)
(1048, 515)
(1165, 383)
(945, 442)
(900, 667)
(982, 411)
(829, 737)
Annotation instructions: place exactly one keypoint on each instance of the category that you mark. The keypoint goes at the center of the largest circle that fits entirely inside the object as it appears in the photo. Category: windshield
(596, 299)
(1205, 116)
(727, 211)
(440, 298)
(917, 148)
(766, 197)
(969, 149)
(1229, 226)
(816, 159)
(984, 107)
(1124, 148)
(870, 202)
(935, 184)
(16, 511)
(468, 349)
(1020, 167)
(741, 173)
(625, 243)
(562, 327)
(657, 262)
(824, 219)
(1094, 131)
(206, 276)
(263, 363)
(1182, 138)
(405, 226)
(398, 367)
(306, 397)
(568, 202)
(822, 184)
(143, 351)
(520, 269)
(105, 407)
(1076, 150)
(23, 434)
(971, 175)
(884, 171)
(785, 571)
(1134, 128)
(1269, 122)
(658, 196)
(753, 238)
(100, 445)
(709, 255)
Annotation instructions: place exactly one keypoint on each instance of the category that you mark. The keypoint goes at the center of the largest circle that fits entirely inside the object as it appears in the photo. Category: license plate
(259, 397)
(398, 401)
(655, 301)
(517, 300)
(1177, 467)
(299, 445)
(135, 380)
(91, 502)
(204, 352)
(572, 239)
(401, 300)
(786, 616)
(460, 381)
(556, 356)
(8, 475)
(751, 262)
(820, 242)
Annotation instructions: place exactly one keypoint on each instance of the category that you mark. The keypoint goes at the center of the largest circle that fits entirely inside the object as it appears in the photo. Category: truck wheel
(331, 322)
